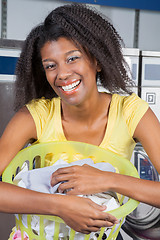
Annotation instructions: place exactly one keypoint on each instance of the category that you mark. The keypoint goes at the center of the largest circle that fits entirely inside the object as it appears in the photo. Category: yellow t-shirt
(124, 114)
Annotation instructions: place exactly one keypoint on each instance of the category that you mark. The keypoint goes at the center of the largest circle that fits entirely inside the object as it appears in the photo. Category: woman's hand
(79, 180)
(83, 215)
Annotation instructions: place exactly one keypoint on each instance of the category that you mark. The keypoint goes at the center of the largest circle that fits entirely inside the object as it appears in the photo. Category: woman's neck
(87, 112)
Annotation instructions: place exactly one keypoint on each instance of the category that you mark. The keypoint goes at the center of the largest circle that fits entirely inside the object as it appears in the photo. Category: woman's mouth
(71, 86)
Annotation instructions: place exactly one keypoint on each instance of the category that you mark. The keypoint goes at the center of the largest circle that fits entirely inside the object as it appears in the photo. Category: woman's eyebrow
(47, 60)
(72, 51)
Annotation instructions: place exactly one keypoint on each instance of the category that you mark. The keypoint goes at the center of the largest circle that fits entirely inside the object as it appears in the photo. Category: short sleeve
(133, 110)
(39, 109)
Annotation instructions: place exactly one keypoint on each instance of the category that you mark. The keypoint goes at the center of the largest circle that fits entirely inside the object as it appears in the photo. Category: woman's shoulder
(129, 106)
(131, 109)
(41, 101)
(129, 101)
(42, 104)
(134, 102)
(42, 108)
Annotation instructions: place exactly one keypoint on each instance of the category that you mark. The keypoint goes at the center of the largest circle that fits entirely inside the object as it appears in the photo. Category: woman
(60, 64)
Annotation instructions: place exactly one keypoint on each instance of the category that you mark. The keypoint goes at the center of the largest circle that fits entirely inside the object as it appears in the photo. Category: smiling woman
(58, 100)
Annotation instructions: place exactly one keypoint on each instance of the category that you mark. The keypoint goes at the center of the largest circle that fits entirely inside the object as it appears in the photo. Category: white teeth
(70, 86)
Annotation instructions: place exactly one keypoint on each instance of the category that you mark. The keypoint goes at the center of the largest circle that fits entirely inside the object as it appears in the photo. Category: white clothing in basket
(39, 180)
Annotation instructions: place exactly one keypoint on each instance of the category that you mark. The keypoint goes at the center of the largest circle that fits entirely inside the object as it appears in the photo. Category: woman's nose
(64, 72)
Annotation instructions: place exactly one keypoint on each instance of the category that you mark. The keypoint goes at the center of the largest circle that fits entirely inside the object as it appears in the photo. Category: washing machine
(144, 221)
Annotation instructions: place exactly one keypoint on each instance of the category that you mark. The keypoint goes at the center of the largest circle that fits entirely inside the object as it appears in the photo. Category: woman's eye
(72, 59)
(50, 66)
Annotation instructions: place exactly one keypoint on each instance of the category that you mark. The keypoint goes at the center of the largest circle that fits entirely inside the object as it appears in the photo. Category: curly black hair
(88, 29)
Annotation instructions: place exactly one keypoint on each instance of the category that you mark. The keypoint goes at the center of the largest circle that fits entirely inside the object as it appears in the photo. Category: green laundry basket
(36, 155)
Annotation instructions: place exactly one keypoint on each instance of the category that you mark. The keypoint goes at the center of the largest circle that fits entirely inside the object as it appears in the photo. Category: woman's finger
(72, 191)
(60, 178)
(100, 223)
(96, 225)
(104, 215)
(64, 170)
(65, 187)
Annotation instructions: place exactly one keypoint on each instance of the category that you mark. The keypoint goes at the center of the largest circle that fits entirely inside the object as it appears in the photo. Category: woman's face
(69, 71)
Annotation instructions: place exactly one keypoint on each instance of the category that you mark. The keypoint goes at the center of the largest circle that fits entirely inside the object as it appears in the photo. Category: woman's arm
(148, 134)
(20, 130)
(88, 180)
(79, 213)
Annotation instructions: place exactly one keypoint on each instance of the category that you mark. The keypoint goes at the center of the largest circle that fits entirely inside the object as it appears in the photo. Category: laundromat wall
(139, 28)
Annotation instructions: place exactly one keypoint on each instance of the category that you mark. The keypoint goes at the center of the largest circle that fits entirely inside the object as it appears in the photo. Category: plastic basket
(40, 151)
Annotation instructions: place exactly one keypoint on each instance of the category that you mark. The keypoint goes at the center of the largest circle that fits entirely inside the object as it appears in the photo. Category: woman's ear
(98, 68)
